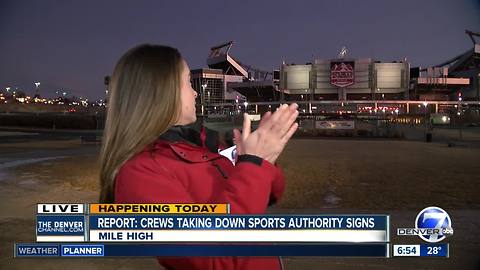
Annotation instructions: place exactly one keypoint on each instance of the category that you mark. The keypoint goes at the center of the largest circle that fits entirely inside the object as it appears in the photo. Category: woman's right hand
(271, 136)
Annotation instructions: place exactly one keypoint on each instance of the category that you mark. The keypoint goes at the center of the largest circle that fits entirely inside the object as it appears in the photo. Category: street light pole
(37, 84)
(202, 96)
(375, 99)
(425, 105)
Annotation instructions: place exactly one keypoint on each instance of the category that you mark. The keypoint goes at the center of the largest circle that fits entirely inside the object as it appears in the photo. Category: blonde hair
(144, 102)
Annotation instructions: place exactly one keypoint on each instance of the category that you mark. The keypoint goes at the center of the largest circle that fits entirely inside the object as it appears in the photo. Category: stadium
(341, 85)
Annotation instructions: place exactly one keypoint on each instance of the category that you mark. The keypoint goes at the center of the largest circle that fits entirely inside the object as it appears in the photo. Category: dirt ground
(323, 176)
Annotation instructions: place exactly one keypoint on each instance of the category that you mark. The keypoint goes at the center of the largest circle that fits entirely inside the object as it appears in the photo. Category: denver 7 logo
(434, 218)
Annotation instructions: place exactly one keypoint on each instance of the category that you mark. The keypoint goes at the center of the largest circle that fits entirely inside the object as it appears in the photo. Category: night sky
(73, 44)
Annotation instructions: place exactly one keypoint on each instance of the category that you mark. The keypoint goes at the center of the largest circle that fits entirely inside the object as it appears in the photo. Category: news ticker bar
(131, 250)
(98, 208)
(422, 250)
(212, 228)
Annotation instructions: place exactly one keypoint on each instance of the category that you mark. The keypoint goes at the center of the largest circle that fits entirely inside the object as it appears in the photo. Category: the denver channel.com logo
(433, 224)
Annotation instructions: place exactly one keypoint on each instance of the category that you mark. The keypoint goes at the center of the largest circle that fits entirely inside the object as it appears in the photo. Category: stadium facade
(346, 79)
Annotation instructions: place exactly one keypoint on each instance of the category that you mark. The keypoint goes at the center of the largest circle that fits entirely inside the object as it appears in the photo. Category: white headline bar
(349, 236)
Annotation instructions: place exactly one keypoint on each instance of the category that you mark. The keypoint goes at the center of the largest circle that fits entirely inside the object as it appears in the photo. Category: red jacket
(173, 170)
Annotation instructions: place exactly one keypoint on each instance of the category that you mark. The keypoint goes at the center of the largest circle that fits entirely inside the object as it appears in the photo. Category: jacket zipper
(224, 175)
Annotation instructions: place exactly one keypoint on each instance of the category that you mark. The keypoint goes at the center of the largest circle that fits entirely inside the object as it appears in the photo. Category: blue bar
(36, 250)
(188, 250)
(330, 250)
(434, 250)
(82, 250)
(137, 222)
(52, 229)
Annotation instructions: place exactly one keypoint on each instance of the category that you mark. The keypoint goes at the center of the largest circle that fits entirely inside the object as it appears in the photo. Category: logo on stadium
(432, 224)
(342, 73)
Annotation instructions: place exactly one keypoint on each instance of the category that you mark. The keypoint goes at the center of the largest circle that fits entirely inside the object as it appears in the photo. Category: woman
(149, 154)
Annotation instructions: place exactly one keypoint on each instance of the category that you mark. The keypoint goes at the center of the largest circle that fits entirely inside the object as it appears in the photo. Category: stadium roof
(220, 59)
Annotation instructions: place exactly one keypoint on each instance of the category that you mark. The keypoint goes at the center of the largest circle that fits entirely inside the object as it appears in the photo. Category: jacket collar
(194, 135)
(182, 134)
